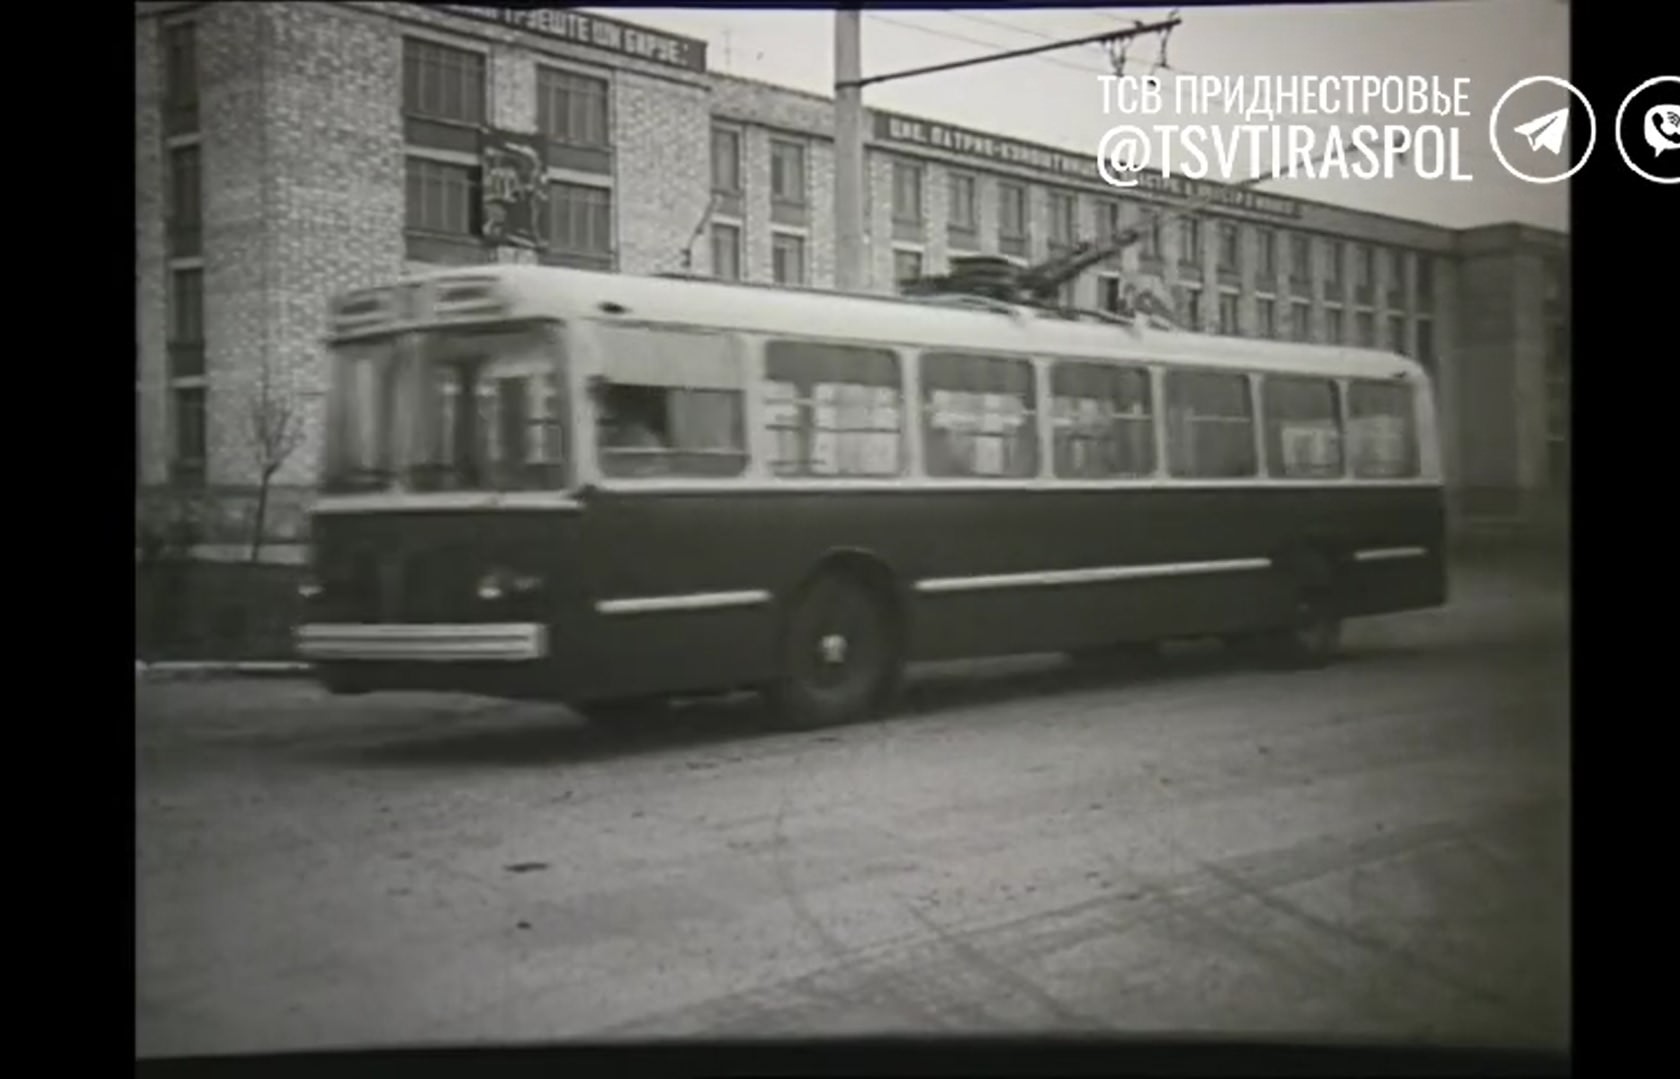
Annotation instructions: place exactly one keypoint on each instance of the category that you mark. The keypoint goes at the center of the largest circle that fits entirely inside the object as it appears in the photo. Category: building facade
(286, 152)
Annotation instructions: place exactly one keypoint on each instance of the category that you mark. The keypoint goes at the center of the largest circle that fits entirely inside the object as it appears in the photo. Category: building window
(964, 209)
(1396, 277)
(1111, 219)
(1267, 252)
(1012, 219)
(1335, 263)
(978, 416)
(1210, 425)
(907, 193)
(442, 84)
(834, 410)
(1300, 257)
(726, 252)
(1108, 292)
(1553, 284)
(187, 465)
(1382, 431)
(580, 224)
(1063, 219)
(180, 78)
(1366, 325)
(1303, 427)
(1335, 332)
(1190, 241)
(1426, 344)
(1397, 334)
(442, 198)
(1152, 238)
(1102, 419)
(1300, 321)
(1193, 307)
(1365, 270)
(787, 172)
(907, 266)
(1557, 409)
(1265, 312)
(185, 202)
(186, 324)
(787, 257)
(1426, 282)
(726, 160)
(1230, 247)
(1557, 464)
(572, 108)
(1228, 324)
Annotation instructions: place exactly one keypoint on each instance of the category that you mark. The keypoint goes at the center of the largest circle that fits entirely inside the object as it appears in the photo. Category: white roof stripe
(571, 294)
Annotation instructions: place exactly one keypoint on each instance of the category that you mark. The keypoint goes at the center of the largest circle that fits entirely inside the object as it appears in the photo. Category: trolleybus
(588, 487)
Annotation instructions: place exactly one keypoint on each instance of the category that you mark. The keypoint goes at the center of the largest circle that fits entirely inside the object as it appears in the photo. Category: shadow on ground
(536, 736)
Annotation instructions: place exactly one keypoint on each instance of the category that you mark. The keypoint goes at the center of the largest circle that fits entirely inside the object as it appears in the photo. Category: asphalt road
(1378, 849)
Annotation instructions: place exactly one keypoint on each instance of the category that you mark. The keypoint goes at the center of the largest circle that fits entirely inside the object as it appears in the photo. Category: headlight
(499, 583)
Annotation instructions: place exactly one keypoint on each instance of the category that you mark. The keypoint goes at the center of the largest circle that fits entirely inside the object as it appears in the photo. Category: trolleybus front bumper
(430, 643)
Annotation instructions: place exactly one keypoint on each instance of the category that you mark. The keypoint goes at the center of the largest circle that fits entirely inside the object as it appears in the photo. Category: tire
(1313, 638)
(623, 710)
(839, 655)
(341, 682)
(1125, 656)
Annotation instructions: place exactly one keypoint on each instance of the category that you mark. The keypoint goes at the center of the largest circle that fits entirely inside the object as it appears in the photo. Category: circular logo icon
(1534, 129)
(1648, 129)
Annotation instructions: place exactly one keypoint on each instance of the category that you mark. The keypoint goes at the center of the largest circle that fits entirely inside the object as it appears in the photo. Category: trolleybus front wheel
(839, 658)
(1313, 637)
(341, 681)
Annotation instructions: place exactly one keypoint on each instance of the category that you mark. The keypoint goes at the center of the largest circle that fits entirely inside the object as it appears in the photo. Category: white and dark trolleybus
(591, 487)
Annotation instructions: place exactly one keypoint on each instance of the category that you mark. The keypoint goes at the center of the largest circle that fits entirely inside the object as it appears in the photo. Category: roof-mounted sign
(597, 32)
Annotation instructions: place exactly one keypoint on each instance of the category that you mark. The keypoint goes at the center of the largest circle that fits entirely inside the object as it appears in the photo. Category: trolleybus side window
(1303, 427)
(1103, 421)
(1382, 430)
(978, 416)
(836, 410)
(670, 403)
(1210, 425)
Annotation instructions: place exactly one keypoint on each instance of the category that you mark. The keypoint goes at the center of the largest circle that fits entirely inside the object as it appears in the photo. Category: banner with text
(596, 31)
(1059, 164)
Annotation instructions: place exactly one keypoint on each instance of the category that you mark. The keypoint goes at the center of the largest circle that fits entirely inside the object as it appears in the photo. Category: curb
(175, 671)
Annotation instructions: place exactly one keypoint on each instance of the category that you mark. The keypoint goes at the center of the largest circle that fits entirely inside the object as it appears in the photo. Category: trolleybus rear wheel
(839, 658)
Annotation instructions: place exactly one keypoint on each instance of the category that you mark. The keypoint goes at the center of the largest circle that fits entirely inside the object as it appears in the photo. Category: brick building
(285, 152)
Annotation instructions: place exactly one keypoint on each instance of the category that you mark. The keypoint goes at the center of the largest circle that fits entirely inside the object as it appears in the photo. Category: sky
(1056, 98)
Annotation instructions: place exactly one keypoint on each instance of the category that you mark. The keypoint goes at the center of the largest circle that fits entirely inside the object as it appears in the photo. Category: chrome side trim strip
(433, 643)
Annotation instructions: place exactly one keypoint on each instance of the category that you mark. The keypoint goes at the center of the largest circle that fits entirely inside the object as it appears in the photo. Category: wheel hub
(831, 649)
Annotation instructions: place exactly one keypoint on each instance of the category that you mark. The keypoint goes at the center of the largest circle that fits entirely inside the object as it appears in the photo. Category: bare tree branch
(277, 431)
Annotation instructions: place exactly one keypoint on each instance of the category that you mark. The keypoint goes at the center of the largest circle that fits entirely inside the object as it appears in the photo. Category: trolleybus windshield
(459, 409)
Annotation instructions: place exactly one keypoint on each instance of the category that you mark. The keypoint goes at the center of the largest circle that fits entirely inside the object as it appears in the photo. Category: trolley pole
(850, 182)
(849, 265)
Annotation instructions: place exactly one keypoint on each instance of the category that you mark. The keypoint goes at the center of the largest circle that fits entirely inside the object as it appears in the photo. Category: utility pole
(849, 180)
